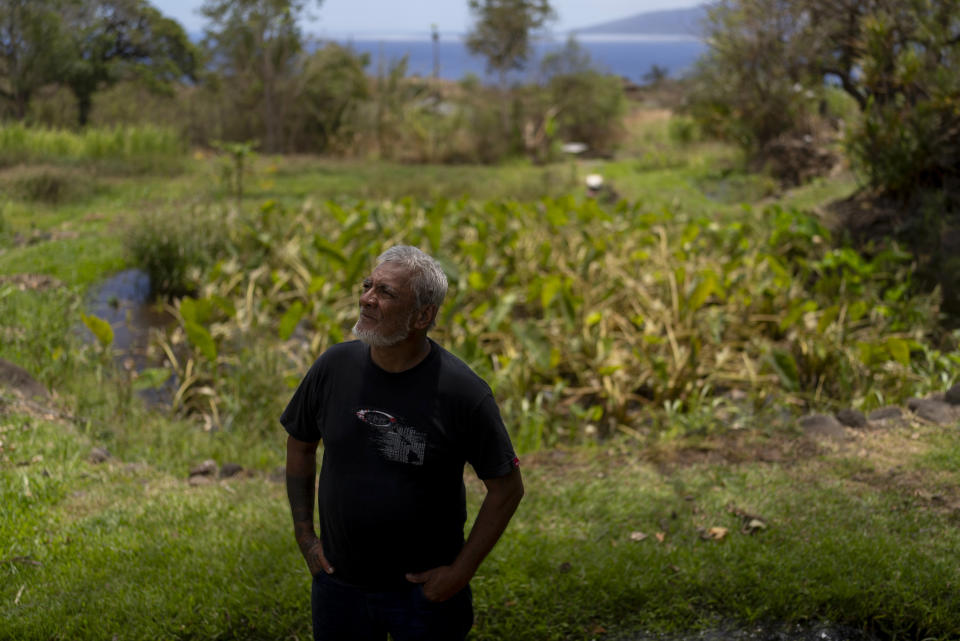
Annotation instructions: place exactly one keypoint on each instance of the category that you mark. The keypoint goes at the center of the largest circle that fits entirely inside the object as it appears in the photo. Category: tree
(122, 39)
(31, 50)
(503, 30)
(334, 85)
(256, 45)
(769, 61)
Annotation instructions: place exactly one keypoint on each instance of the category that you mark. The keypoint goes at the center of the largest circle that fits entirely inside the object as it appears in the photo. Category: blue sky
(358, 17)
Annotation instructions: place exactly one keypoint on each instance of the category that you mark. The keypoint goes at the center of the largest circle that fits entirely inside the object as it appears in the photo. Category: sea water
(631, 57)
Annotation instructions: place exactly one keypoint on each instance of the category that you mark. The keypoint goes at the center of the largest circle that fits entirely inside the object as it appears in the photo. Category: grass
(128, 549)
(610, 541)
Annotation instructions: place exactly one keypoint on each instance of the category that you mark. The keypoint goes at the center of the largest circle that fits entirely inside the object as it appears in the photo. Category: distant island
(670, 22)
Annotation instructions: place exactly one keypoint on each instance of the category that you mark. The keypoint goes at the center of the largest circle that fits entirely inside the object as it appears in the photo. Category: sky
(359, 17)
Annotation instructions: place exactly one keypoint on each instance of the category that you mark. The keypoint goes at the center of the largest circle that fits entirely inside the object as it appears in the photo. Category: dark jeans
(342, 612)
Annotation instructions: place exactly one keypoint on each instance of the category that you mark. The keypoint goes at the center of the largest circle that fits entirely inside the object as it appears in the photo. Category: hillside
(668, 22)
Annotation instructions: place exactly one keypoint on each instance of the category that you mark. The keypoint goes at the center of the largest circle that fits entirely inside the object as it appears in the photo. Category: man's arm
(301, 481)
(503, 497)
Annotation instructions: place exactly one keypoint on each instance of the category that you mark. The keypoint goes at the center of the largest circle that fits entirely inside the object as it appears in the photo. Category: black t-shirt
(391, 492)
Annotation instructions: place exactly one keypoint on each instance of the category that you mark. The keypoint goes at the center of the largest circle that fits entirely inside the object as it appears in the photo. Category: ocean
(624, 55)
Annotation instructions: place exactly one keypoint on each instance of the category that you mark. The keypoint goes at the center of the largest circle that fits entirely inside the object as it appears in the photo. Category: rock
(207, 468)
(200, 479)
(822, 426)
(852, 418)
(937, 412)
(98, 455)
(889, 413)
(953, 395)
(19, 380)
(230, 469)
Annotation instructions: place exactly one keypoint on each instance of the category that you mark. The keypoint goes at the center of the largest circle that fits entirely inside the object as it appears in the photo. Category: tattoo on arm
(300, 492)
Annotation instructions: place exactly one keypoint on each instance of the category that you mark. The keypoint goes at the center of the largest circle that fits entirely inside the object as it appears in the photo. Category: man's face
(388, 306)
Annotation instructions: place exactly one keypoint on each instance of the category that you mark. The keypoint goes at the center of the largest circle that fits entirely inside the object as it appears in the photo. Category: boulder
(889, 413)
(99, 455)
(230, 469)
(823, 426)
(953, 395)
(20, 381)
(852, 418)
(937, 412)
(207, 468)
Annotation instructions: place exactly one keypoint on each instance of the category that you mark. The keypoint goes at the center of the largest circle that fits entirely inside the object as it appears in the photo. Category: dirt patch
(31, 282)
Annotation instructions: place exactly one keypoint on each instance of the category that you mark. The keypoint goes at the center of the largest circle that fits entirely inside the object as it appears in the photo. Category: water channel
(123, 300)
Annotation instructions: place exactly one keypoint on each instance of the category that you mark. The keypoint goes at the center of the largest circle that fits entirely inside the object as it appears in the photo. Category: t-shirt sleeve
(489, 449)
(300, 416)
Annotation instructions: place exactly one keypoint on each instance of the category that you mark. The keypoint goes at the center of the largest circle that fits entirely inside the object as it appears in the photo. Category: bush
(50, 185)
(173, 248)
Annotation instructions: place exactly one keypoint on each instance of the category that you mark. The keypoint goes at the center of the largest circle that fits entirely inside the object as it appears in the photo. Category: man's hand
(312, 550)
(503, 496)
(440, 584)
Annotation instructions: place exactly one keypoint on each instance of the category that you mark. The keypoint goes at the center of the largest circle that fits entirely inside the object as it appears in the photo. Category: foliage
(111, 40)
(764, 78)
(31, 50)
(128, 148)
(50, 185)
(503, 29)
(172, 248)
(754, 85)
(334, 87)
(589, 103)
(641, 308)
(255, 46)
(909, 90)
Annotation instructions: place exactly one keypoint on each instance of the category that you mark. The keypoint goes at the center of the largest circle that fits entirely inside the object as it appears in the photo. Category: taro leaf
(707, 284)
(829, 315)
(328, 250)
(899, 349)
(797, 310)
(786, 368)
(503, 308)
(551, 287)
(476, 281)
(196, 311)
(202, 340)
(152, 377)
(288, 323)
(100, 328)
(435, 225)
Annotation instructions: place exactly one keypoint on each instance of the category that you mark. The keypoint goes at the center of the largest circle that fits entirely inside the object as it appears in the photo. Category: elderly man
(399, 417)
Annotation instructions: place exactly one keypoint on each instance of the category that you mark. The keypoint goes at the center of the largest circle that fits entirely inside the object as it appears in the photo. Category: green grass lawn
(863, 535)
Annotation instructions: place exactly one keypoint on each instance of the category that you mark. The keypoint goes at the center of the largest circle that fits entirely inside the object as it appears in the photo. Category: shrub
(173, 248)
(50, 185)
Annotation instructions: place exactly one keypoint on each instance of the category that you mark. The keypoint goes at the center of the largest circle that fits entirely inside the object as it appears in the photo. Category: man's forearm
(301, 473)
(501, 501)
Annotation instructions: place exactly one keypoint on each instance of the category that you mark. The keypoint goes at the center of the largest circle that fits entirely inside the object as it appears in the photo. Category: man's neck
(405, 355)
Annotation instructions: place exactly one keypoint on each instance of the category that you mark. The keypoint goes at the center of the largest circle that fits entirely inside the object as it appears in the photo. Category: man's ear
(425, 316)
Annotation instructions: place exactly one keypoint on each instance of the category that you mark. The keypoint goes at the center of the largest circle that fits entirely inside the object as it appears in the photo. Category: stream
(123, 300)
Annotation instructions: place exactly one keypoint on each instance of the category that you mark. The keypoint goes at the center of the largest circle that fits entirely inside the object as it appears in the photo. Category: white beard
(374, 338)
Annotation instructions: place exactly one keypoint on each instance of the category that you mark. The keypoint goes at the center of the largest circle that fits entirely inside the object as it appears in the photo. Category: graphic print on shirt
(393, 439)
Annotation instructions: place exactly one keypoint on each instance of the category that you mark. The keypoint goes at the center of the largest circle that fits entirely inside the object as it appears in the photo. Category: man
(399, 417)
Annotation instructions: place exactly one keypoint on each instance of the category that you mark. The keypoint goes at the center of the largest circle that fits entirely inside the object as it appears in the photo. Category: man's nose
(367, 298)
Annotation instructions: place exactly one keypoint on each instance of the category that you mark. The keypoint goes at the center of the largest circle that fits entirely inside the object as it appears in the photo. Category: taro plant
(585, 320)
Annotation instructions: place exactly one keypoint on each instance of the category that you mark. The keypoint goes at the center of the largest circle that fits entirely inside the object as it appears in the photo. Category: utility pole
(435, 36)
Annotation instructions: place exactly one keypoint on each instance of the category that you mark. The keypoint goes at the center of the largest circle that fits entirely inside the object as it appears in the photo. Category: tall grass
(142, 147)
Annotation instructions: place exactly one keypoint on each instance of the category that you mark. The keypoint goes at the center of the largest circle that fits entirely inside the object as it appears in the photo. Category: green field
(651, 355)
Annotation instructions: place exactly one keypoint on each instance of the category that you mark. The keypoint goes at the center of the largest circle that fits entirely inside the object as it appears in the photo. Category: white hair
(427, 278)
